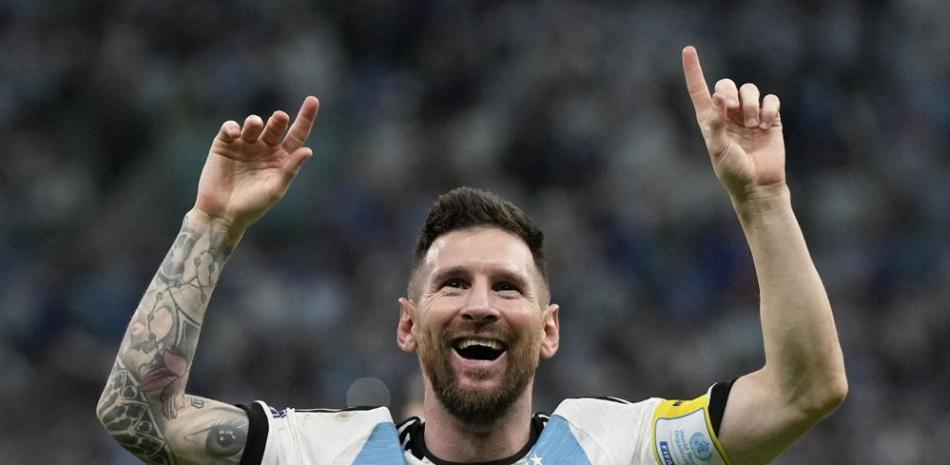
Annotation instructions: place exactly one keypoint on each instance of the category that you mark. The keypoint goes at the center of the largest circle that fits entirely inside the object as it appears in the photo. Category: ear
(405, 338)
(551, 331)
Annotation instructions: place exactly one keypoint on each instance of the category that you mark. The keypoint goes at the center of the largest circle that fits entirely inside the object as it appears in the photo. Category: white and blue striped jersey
(583, 431)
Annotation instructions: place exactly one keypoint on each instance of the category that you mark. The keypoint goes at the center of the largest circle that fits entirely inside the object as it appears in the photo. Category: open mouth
(479, 349)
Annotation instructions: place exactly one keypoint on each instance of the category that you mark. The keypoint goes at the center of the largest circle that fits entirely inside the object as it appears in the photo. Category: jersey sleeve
(607, 430)
(650, 432)
(685, 432)
(319, 436)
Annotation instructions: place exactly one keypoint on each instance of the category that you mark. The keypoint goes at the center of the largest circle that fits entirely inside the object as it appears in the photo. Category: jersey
(582, 431)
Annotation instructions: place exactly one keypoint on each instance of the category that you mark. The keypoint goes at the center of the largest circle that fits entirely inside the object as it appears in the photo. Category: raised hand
(249, 168)
(743, 134)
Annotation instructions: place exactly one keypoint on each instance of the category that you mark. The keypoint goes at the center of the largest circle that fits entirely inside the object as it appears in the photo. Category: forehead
(480, 247)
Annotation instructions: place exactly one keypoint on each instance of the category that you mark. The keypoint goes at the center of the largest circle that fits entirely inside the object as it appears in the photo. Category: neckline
(417, 444)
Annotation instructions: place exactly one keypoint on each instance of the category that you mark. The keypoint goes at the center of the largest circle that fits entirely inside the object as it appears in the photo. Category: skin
(250, 167)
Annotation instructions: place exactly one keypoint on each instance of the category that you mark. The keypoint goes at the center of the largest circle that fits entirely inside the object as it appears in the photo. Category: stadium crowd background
(576, 111)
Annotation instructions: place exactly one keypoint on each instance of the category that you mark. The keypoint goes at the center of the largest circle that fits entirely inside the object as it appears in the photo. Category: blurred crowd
(575, 110)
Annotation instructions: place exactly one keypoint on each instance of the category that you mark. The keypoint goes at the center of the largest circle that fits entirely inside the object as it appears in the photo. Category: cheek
(439, 310)
(529, 329)
(429, 326)
(523, 314)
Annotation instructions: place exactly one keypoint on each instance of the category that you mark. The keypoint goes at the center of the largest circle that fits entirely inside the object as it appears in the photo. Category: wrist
(230, 231)
(762, 200)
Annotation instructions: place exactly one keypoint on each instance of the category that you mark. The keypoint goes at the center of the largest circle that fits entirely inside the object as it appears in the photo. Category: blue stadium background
(575, 110)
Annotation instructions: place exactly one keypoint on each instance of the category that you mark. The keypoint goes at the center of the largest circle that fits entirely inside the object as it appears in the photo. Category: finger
(297, 158)
(252, 129)
(695, 81)
(727, 88)
(749, 99)
(274, 129)
(229, 131)
(714, 127)
(770, 107)
(719, 115)
(300, 130)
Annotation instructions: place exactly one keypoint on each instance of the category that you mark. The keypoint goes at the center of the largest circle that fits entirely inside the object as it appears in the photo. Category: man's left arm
(803, 379)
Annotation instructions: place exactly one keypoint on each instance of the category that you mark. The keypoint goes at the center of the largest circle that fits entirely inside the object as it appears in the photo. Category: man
(478, 314)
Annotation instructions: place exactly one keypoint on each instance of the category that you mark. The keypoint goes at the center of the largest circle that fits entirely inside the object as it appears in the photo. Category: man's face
(481, 323)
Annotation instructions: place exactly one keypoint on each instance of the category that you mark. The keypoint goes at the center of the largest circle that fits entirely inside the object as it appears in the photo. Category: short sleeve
(686, 431)
(318, 436)
(609, 429)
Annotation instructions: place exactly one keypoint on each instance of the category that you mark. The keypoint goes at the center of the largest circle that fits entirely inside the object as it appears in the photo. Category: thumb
(297, 158)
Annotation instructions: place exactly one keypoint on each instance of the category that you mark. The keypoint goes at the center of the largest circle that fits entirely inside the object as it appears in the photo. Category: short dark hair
(465, 207)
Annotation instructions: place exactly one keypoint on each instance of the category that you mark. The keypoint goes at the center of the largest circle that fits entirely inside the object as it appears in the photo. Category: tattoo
(165, 380)
(206, 263)
(125, 413)
(225, 440)
(146, 388)
(168, 321)
(222, 439)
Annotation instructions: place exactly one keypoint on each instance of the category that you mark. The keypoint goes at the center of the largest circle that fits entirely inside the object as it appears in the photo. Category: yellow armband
(683, 434)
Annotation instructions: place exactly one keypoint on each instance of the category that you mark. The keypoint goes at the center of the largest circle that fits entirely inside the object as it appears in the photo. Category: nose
(478, 306)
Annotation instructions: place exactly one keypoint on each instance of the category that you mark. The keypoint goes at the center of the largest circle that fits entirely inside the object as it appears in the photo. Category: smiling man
(479, 317)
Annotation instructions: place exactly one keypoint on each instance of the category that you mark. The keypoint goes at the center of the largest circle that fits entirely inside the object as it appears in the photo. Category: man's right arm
(144, 406)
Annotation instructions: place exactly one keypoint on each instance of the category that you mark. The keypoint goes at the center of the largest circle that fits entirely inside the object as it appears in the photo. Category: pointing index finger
(300, 130)
(695, 81)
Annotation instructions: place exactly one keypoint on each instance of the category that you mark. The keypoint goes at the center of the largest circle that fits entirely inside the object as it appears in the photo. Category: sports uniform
(583, 431)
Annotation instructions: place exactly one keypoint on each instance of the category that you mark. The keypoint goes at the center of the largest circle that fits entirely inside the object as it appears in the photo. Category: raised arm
(803, 379)
(144, 405)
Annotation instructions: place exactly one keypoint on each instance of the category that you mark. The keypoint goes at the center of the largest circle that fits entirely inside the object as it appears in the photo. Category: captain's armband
(683, 434)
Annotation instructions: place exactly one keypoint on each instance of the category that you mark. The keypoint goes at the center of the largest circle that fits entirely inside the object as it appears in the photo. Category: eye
(507, 287)
(454, 283)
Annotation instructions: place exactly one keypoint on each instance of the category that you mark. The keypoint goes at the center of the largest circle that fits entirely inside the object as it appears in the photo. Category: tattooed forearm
(146, 388)
(163, 336)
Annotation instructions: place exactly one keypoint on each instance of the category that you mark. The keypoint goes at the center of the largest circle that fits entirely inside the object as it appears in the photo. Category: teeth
(466, 343)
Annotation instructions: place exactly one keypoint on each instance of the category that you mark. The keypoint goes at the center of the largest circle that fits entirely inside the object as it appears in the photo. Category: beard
(479, 406)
